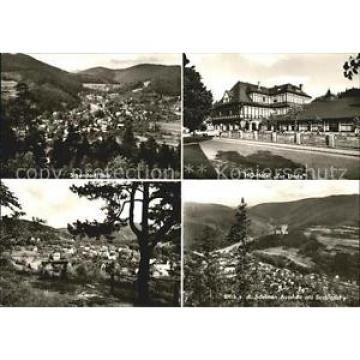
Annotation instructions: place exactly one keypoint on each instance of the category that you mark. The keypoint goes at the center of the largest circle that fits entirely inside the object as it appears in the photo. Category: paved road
(347, 167)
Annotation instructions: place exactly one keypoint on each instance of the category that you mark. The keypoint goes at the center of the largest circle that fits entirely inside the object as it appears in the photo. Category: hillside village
(37, 257)
(304, 262)
(90, 272)
(103, 111)
(271, 285)
(86, 125)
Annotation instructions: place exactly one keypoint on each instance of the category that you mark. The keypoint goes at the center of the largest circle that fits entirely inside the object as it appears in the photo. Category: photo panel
(271, 243)
(102, 116)
(86, 243)
(272, 116)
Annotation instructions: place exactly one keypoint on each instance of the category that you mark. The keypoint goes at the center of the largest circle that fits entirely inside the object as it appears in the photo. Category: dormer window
(226, 97)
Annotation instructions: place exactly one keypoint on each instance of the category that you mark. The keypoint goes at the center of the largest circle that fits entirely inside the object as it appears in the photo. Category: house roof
(332, 108)
(241, 91)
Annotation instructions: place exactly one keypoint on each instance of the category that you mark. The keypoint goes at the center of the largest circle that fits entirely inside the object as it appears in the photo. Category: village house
(8, 89)
(328, 113)
(281, 230)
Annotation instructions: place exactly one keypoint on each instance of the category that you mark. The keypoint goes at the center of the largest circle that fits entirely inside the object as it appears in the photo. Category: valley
(43, 266)
(74, 123)
(313, 261)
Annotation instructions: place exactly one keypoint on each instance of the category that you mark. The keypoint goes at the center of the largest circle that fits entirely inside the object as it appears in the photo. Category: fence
(332, 140)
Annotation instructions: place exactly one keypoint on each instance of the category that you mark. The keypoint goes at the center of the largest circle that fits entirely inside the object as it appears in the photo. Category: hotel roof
(241, 91)
(332, 108)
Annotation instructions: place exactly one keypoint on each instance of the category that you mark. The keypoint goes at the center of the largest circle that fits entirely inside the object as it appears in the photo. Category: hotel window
(346, 127)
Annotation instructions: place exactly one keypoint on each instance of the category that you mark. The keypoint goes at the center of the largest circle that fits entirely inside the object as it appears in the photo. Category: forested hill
(52, 88)
(337, 210)
(162, 78)
(49, 85)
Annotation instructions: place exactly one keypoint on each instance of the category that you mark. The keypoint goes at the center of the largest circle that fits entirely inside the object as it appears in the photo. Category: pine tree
(9, 201)
(239, 234)
(160, 205)
(129, 143)
(194, 281)
(203, 272)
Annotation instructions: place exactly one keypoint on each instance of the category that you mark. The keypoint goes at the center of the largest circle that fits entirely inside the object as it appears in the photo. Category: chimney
(258, 85)
(301, 86)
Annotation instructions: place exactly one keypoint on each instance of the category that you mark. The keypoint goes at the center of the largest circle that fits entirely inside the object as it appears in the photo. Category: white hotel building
(245, 105)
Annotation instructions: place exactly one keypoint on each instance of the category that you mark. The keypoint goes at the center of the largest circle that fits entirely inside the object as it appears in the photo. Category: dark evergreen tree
(129, 143)
(35, 142)
(165, 156)
(18, 115)
(160, 205)
(22, 110)
(204, 278)
(9, 201)
(197, 99)
(238, 234)
(150, 152)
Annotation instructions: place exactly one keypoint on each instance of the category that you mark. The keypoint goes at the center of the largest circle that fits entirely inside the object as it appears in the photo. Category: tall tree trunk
(143, 276)
(144, 265)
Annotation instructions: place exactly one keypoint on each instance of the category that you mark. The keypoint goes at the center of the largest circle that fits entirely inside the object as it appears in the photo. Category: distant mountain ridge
(336, 210)
(48, 84)
(163, 78)
(53, 87)
(331, 210)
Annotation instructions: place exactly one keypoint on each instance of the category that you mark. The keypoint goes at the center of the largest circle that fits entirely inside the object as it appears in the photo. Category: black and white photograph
(110, 116)
(272, 116)
(271, 243)
(133, 138)
(81, 243)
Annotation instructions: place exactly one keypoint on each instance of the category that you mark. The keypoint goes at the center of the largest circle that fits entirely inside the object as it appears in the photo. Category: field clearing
(345, 237)
(331, 242)
(290, 254)
(171, 127)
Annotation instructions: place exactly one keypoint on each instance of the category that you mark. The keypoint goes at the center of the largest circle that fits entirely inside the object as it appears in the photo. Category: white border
(190, 26)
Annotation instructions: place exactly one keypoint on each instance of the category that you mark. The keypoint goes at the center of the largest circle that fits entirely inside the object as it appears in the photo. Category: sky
(53, 201)
(317, 72)
(77, 62)
(230, 192)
